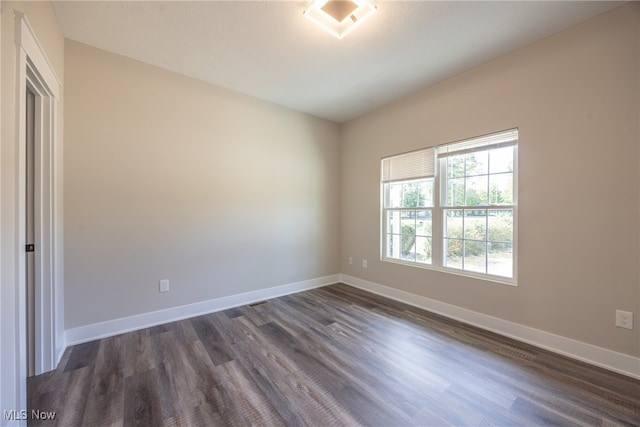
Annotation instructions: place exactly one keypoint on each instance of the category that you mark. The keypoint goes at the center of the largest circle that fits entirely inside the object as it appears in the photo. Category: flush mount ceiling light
(339, 17)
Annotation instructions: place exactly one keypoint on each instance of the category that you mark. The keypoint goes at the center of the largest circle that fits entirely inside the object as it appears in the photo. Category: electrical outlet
(364, 263)
(624, 319)
(163, 285)
(350, 260)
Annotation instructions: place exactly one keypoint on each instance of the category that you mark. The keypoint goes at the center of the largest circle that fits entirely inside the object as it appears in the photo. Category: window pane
(425, 193)
(453, 223)
(475, 256)
(408, 220)
(393, 222)
(500, 259)
(395, 196)
(423, 223)
(500, 224)
(453, 254)
(477, 190)
(475, 224)
(455, 166)
(423, 249)
(455, 192)
(501, 160)
(409, 195)
(408, 247)
(477, 163)
(501, 188)
(393, 246)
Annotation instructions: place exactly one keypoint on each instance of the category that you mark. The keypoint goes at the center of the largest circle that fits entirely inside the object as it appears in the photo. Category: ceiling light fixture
(339, 17)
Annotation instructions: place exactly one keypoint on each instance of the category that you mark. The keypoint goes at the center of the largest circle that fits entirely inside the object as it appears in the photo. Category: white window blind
(495, 140)
(413, 165)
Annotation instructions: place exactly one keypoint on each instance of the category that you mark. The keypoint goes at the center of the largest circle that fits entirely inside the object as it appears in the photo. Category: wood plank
(138, 354)
(82, 355)
(295, 395)
(142, 400)
(69, 400)
(247, 404)
(212, 339)
(105, 400)
(332, 378)
(172, 375)
(204, 383)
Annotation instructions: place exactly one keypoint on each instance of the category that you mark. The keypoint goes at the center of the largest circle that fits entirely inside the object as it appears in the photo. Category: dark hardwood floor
(330, 356)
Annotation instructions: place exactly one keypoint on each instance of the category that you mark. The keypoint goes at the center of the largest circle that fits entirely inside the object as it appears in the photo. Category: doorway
(38, 214)
(34, 315)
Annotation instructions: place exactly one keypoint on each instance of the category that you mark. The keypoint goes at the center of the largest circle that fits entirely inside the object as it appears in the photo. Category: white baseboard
(127, 324)
(608, 359)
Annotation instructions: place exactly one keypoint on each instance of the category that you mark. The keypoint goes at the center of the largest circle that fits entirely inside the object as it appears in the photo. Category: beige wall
(45, 25)
(167, 177)
(575, 99)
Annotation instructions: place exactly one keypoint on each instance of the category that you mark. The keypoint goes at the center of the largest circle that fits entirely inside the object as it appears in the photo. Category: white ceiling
(267, 49)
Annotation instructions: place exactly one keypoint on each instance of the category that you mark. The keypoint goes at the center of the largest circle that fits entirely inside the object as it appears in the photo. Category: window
(408, 185)
(453, 206)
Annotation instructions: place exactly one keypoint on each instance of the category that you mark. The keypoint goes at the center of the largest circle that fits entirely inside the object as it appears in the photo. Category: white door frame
(35, 71)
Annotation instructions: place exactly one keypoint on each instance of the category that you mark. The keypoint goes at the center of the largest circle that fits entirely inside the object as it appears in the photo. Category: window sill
(485, 277)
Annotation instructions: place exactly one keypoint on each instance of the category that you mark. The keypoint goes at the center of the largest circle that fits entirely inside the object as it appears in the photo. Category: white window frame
(481, 143)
